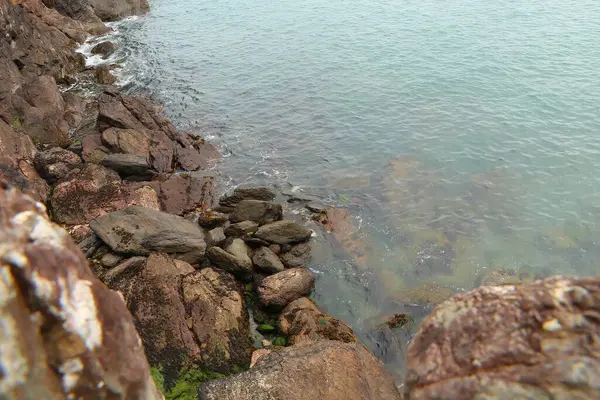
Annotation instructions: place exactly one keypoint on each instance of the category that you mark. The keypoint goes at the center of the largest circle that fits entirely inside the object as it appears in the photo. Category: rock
(110, 260)
(325, 370)
(88, 192)
(267, 261)
(210, 219)
(105, 49)
(277, 291)
(128, 165)
(241, 229)
(239, 194)
(104, 76)
(110, 10)
(258, 354)
(258, 211)
(238, 248)
(196, 155)
(315, 208)
(64, 334)
(147, 197)
(275, 248)
(301, 321)
(338, 222)
(183, 193)
(529, 341)
(298, 256)
(56, 163)
(241, 269)
(139, 231)
(254, 242)
(219, 319)
(92, 148)
(215, 237)
(283, 232)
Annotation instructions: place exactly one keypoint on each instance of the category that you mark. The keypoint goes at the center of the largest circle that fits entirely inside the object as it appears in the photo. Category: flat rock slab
(261, 212)
(323, 370)
(140, 231)
(277, 291)
(535, 341)
(283, 232)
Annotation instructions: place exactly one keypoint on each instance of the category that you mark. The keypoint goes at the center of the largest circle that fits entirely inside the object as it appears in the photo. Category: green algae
(186, 386)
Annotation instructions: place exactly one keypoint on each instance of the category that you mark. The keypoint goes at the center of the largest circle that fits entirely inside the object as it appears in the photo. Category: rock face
(64, 334)
(302, 321)
(325, 370)
(239, 194)
(261, 212)
(535, 341)
(283, 232)
(186, 318)
(277, 291)
(139, 231)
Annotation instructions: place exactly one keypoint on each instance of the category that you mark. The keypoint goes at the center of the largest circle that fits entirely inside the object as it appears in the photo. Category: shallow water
(462, 135)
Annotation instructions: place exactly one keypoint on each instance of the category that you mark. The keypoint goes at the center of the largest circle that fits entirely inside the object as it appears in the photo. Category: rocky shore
(125, 275)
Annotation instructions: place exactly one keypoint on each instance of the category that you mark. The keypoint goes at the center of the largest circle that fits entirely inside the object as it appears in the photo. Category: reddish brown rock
(538, 340)
(183, 193)
(302, 320)
(64, 333)
(325, 370)
(56, 163)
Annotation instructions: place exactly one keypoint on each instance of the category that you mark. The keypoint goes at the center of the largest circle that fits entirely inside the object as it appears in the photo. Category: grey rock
(298, 256)
(315, 208)
(324, 370)
(255, 242)
(110, 260)
(105, 49)
(239, 194)
(258, 211)
(210, 219)
(239, 268)
(283, 232)
(241, 229)
(277, 291)
(140, 231)
(267, 261)
(239, 249)
(128, 164)
(215, 237)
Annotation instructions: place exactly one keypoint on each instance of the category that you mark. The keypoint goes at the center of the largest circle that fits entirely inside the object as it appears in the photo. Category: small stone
(110, 260)
(239, 194)
(215, 237)
(277, 291)
(258, 211)
(275, 248)
(267, 261)
(241, 229)
(283, 232)
(255, 242)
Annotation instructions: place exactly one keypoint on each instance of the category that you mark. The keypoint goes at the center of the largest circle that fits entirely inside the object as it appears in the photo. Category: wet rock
(239, 194)
(426, 294)
(56, 163)
(529, 341)
(267, 261)
(140, 231)
(283, 232)
(255, 242)
(435, 259)
(315, 208)
(219, 319)
(301, 321)
(88, 192)
(104, 76)
(105, 49)
(128, 165)
(258, 354)
(238, 248)
(277, 291)
(215, 237)
(338, 222)
(241, 229)
(326, 370)
(240, 268)
(210, 219)
(261, 212)
(298, 256)
(47, 283)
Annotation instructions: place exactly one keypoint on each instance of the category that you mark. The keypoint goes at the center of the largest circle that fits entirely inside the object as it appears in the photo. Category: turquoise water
(487, 111)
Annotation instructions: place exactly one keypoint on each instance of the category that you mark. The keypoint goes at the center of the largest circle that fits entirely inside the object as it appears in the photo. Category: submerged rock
(64, 334)
(140, 231)
(301, 321)
(239, 194)
(277, 291)
(261, 212)
(537, 340)
(325, 370)
(283, 232)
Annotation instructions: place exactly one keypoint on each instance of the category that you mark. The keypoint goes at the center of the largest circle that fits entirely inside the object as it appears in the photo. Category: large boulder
(277, 291)
(240, 194)
(90, 191)
(64, 334)
(283, 232)
(261, 212)
(325, 370)
(138, 230)
(535, 341)
(302, 320)
(186, 318)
